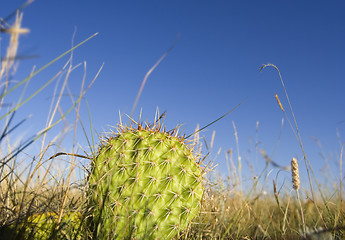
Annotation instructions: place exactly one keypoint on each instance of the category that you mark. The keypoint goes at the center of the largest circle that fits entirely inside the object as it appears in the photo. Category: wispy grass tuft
(38, 197)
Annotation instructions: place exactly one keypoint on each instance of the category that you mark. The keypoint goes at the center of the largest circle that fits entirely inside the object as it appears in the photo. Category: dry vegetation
(31, 184)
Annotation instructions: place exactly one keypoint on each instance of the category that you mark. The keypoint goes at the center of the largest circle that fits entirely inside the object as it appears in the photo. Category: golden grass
(33, 185)
(230, 210)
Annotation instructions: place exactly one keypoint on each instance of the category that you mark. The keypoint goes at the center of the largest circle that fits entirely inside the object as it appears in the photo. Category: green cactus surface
(145, 184)
(44, 227)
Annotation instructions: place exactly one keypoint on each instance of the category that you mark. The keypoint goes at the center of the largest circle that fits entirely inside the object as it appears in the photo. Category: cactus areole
(145, 183)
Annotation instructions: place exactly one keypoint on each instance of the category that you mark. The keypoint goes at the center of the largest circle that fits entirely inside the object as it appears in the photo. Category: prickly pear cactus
(42, 227)
(145, 184)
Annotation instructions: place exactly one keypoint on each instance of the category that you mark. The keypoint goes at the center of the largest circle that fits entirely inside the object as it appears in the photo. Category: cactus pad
(145, 184)
(44, 226)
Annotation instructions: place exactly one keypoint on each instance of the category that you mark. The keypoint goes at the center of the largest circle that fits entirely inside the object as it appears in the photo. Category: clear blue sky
(213, 67)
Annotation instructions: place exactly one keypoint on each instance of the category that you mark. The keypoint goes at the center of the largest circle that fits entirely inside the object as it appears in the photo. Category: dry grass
(32, 185)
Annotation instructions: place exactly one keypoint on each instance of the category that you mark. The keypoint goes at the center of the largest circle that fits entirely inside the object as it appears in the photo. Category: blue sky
(213, 67)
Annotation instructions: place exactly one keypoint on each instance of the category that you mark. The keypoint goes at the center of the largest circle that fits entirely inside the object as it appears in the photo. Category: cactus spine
(145, 183)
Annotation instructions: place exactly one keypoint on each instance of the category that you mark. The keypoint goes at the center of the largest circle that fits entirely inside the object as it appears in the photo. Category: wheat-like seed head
(295, 174)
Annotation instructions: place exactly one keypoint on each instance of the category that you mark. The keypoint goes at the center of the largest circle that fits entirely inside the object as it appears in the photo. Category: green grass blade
(44, 67)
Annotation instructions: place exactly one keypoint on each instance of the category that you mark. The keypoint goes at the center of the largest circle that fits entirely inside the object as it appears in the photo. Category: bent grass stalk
(298, 135)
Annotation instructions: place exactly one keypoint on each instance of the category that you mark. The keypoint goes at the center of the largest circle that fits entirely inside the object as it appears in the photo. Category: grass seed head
(295, 174)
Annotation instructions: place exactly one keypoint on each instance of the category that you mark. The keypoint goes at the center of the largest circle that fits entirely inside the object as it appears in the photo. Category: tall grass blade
(45, 66)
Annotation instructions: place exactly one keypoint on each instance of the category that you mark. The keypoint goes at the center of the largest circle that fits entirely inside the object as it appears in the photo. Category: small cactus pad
(44, 226)
(145, 183)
